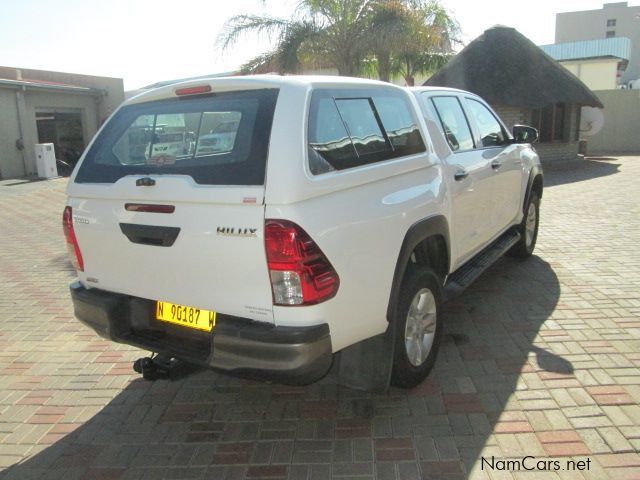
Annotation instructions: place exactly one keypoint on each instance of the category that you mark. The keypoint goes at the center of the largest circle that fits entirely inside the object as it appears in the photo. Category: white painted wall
(11, 159)
(592, 25)
(621, 123)
(597, 74)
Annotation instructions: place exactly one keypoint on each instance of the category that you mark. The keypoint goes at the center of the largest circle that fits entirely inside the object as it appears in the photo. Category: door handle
(496, 164)
(460, 175)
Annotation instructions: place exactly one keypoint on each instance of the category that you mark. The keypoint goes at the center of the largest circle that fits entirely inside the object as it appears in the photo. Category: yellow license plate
(190, 317)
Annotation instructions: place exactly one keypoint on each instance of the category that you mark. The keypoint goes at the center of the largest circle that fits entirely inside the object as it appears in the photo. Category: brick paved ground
(541, 358)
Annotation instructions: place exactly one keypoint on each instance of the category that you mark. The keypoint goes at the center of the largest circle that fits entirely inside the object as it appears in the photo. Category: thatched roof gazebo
(524, 85)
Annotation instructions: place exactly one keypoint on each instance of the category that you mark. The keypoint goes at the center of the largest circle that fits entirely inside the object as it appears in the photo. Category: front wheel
(418, 328)
(528, 229)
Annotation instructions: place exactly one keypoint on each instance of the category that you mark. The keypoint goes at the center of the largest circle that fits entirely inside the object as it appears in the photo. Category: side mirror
(524, 134)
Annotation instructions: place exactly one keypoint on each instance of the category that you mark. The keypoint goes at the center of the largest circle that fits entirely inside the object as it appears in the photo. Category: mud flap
(367, 365)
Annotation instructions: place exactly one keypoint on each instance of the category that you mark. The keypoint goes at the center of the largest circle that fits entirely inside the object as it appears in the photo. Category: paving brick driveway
(541, 359)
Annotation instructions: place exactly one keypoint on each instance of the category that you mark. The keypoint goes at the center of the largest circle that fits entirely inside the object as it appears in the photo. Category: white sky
(145, 41)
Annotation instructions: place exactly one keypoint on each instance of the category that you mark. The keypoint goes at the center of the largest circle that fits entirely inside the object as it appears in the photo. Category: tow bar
(162, 366)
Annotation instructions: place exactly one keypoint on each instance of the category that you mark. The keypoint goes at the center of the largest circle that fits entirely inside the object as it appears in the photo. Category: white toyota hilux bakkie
(331, 215)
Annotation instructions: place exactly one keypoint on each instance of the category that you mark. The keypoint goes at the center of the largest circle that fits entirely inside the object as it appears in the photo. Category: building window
(550, 122)
(611, 34)
(611, 22)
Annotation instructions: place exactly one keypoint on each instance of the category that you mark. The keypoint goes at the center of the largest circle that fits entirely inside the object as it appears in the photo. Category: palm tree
(383, 37)
(321, 30)
(427, 42)
(389, 22)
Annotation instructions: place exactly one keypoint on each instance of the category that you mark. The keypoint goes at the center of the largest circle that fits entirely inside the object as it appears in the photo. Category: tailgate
(216, 261)
(161, 212)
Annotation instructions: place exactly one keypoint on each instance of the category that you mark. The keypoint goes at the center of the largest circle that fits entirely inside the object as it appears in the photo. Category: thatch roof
(506, 68)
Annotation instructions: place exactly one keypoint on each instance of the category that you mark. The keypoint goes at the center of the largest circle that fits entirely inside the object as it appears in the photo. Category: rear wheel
(418, 327)
(528, 229)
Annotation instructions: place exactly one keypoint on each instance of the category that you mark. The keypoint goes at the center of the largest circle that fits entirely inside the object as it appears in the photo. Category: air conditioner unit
(46, 160)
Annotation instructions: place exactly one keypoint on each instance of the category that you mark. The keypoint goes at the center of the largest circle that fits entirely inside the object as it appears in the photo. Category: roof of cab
(221, 84)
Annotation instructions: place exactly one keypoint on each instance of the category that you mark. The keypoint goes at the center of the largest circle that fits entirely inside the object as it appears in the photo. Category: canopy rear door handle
(150, 234)
(496, 164)
(460, 175)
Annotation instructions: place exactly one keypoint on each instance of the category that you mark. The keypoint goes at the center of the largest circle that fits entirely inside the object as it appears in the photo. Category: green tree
(379, 37)
(430, 34)
(331, 31)
(390, 22)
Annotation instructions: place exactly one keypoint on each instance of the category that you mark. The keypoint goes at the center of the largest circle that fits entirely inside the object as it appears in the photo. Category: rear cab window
(218, 139)
(350, 128)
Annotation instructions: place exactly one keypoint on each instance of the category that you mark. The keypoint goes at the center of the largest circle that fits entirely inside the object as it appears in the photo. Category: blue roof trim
(618, 47)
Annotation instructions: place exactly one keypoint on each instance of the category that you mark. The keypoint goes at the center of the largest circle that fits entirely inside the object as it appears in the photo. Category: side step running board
(459, 280)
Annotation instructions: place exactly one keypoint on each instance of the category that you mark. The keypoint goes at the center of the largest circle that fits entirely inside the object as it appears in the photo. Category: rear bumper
(289, 354)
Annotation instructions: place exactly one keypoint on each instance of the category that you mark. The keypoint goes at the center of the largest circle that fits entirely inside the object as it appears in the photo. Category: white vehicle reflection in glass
(221, 137)
(176, 144)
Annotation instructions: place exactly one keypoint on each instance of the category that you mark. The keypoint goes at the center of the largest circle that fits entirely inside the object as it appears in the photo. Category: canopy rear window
(219, 139)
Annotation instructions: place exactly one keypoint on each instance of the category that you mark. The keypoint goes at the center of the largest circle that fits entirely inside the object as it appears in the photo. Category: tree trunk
(346, 62)
(384, 66)
(408, 73)
(345, 69)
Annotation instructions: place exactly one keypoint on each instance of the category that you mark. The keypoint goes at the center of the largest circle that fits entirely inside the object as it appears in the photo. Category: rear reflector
(75, 256)
(150, 208)
(300, 273)
(200, 89)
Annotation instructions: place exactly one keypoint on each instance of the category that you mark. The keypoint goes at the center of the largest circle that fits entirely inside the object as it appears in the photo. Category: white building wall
(64, 102)
(11, 159)
(19, 104)
(621, 123)
(18, 120)
(598, 74)
(592, 25)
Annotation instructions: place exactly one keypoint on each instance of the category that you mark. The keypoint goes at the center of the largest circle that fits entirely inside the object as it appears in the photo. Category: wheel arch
(534, 184)
(428, 239)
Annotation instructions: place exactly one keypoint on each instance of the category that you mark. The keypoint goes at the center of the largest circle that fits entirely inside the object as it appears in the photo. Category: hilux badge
(237, 232)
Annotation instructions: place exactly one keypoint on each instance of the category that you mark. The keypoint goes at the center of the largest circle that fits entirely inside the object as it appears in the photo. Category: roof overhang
(34, 84)
(617, 47)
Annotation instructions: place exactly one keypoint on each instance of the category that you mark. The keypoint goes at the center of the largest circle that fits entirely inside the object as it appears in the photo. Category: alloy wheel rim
(530, 225)
(420, 327)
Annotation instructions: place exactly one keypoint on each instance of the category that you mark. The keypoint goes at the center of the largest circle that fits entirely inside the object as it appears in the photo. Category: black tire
(406, 373)
(527, 244)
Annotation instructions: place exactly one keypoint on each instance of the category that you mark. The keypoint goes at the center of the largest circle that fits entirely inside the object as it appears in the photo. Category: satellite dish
(591, 121)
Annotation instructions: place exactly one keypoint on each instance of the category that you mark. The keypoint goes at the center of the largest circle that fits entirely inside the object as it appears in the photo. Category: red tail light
(300, 272)
(72, 242)
(198, 90)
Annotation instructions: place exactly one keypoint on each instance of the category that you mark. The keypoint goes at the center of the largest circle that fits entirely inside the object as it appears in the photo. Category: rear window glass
(363, 126)
(331, 146)
(221, 139)
(349, 128)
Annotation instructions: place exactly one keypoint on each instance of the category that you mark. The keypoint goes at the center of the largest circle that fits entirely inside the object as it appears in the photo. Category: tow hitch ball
(156, 367)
